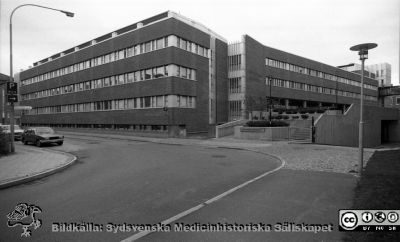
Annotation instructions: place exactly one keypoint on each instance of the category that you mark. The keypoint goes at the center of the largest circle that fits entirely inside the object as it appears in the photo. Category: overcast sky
(322, 30)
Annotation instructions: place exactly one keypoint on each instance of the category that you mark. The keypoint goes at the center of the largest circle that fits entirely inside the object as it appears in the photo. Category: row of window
(234, 62)
(235, 110)
(311, 88)
(120, 104)
(142, 75)
(138, 49)
(235, 85)
(311, 72)
(127, 127)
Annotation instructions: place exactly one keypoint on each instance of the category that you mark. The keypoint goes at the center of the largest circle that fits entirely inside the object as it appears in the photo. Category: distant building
(390, 96)
(381, 72)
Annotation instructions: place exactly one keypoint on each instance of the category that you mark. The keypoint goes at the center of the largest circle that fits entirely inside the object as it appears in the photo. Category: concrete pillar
(304, 104)
(286, 103)
(319, 104)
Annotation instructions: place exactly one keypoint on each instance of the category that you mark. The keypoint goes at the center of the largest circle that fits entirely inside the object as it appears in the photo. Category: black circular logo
(380, 217)
(349, 220)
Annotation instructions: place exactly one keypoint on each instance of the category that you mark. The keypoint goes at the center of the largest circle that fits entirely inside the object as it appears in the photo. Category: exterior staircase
(300, 135)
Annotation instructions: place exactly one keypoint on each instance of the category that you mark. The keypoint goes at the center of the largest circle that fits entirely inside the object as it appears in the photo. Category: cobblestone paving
(318, 157)
(306, 156)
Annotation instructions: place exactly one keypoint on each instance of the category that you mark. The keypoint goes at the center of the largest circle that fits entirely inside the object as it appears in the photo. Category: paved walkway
(29, 162)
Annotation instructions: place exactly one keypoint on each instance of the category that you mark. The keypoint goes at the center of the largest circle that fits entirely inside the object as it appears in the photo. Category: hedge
(263, 123)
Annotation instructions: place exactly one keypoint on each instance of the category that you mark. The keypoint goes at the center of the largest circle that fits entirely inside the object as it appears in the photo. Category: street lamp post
(270, 98)
(363, 52)
(12, 121)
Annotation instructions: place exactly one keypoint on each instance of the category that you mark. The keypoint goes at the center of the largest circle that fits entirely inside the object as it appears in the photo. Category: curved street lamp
(363, 52)
(69, 14)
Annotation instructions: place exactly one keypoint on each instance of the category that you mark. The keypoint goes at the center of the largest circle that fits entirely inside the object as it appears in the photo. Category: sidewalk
(29, 163)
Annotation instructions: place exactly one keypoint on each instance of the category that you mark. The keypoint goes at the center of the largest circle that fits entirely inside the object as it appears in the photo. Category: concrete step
(302, 141)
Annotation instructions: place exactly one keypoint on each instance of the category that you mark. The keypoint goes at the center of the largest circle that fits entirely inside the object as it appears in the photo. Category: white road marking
(208, 202)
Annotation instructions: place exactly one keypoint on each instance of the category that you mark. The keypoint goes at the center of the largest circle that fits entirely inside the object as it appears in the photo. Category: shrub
(304, 116)
(320, 111)
(278, 117)
(285, 117)
(280, 112)
(264, 123)
(303, 111)
(295, 117)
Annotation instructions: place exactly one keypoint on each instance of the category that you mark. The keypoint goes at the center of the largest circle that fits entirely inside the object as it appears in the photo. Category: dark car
(17, 131)
(41, 135)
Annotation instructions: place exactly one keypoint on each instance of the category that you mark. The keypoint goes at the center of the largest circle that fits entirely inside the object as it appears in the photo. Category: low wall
(343, 129)
(228, 128)
(262, 133)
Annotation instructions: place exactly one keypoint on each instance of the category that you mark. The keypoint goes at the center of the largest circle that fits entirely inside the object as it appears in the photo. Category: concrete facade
(343, 129)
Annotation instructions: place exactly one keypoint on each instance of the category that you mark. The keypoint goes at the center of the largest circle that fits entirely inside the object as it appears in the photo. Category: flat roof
(130, 28)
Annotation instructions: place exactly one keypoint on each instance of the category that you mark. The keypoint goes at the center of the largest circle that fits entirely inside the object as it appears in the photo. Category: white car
(17, 131)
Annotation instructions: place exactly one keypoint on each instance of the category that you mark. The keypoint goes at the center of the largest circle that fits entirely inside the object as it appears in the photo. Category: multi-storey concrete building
(170, 73)
(257, 71)
(160, 74)
(381, 72)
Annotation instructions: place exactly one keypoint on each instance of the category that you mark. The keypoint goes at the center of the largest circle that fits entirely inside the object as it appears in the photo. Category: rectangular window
(130, 77)
(107, 58)
(129, 52)
(147, 47)
(137, 75)
(159, 101)
(147, 102)
(112, 81)
(99, 83)
(160, 44)
(172, 41)
(106, 82)
(121, 54)
(130, 103)
(183, 44)
(148, 74)
(137, 50)
(183, 72)
(121, 79)
(160, 72)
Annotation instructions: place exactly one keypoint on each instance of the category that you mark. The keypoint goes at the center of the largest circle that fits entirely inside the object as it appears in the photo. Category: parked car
(17, 131)
(41, 135)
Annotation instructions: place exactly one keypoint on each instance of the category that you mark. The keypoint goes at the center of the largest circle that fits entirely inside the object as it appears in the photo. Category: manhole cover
(218, 156)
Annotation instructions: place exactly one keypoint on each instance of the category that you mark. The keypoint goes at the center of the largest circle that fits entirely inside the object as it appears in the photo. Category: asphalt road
(116, 181)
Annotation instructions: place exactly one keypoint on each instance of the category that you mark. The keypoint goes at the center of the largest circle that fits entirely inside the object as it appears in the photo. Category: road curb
(42, 174)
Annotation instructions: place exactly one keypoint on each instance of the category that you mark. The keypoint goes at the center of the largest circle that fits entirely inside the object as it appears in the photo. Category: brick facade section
(257, 71)
(195, 120)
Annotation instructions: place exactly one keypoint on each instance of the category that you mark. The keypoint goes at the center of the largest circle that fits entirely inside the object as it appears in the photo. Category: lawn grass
(378, 188)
